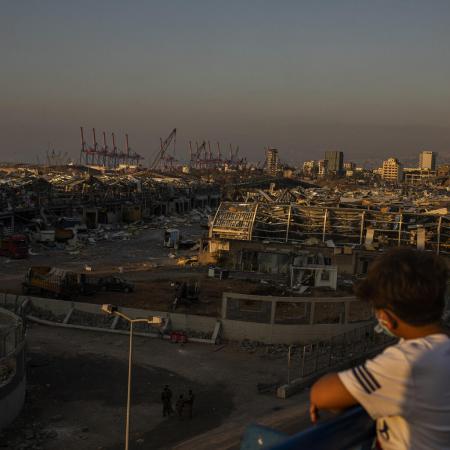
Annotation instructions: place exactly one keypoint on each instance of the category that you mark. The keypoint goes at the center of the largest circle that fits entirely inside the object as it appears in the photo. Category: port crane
(162, 156)
(105, 156)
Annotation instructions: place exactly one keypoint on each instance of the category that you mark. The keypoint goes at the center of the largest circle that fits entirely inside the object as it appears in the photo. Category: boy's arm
(379, 385)
(329, 393)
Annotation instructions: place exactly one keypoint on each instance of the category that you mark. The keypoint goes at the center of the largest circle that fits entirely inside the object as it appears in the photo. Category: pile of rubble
(272, 350)
(22, 188)
(193, 217)
(419, 199)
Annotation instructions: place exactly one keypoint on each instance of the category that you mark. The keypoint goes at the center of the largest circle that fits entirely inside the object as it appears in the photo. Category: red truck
(15, 246)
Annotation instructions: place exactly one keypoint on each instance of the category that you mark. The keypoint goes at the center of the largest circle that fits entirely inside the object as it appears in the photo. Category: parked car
(115, 284)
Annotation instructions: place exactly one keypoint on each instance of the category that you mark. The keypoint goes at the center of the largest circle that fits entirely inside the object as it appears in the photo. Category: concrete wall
(12, 403)
(281, 334)
(264, 330)
(263, 327)
(61, 308)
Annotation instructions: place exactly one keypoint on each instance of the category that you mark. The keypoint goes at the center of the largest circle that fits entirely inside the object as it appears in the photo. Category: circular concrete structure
(12, 367)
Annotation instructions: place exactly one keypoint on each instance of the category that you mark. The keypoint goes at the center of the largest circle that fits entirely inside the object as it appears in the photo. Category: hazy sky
(369, 77)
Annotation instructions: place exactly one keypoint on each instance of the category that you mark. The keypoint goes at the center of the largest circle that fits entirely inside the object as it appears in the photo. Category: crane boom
(164, 146)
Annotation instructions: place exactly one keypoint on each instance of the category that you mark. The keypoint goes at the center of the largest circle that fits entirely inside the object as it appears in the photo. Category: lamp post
(113, 310)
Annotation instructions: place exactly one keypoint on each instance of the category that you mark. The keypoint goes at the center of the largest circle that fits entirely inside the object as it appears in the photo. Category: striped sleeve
(379, 384)
(365, 378)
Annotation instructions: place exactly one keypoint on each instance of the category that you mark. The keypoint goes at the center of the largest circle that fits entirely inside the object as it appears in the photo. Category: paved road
(77, 392)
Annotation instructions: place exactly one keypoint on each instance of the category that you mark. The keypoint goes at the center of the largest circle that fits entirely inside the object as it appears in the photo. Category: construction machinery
(186, 293)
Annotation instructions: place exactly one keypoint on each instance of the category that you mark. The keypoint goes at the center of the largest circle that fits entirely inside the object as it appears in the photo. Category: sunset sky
(370, 78)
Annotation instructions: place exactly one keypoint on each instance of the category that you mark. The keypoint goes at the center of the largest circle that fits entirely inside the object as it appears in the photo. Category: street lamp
(113, 310)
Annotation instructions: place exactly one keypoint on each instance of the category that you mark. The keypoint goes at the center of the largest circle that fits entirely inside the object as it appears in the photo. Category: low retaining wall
(206, 329)
(64, 314)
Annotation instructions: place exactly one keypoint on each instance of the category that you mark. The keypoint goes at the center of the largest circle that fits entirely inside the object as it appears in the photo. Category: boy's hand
(329, 394)
(313, 413)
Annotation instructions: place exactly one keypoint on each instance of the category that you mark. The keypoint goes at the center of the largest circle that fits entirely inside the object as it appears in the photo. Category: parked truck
(60, 283)
(51, 281)
(15, 246)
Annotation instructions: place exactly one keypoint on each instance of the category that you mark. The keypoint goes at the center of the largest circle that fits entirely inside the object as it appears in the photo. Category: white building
(323, 167)
(310, 167)
(349, 165)
(392, 170)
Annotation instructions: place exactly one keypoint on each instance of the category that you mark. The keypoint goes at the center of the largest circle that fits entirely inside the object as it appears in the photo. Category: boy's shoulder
(398, 363)
(407, 356)
(412, 349)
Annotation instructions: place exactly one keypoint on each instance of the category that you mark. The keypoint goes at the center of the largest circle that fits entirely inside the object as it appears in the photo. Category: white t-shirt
(407, 390)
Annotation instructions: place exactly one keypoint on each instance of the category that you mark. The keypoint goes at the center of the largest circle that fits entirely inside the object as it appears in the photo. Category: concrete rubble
(75, 205)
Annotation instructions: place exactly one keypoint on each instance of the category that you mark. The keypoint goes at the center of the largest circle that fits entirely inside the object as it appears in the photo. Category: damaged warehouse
(332, 227)
(313, 246)
(97, 198)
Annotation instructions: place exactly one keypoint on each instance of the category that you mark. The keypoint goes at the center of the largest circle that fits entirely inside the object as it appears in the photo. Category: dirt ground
(76, 391)
(142, 260)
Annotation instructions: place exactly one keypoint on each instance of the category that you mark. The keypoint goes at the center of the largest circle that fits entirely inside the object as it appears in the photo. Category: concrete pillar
(347, 311)
(312, 311)
(272, 312)
(224, 306)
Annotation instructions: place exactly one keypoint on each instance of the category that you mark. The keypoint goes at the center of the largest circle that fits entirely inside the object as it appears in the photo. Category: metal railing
(310, 359)
(353, 429)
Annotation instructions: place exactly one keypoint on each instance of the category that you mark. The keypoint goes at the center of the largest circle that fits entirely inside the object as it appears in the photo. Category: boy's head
(409, 283)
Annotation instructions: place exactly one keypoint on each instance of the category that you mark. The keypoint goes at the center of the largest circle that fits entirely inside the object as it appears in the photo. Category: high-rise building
(335, 162)
(323, 168)
(272, 161)
(427, 160)
(392, 170)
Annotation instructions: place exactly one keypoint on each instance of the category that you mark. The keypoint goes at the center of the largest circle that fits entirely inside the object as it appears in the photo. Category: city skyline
(367, 79)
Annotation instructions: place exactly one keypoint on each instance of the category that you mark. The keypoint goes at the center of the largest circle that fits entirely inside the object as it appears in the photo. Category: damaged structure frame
(333, 227)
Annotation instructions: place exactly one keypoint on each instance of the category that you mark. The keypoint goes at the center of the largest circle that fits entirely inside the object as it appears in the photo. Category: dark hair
(408, 282)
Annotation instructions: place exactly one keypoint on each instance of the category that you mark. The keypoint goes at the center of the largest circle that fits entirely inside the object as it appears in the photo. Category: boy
(406, 388)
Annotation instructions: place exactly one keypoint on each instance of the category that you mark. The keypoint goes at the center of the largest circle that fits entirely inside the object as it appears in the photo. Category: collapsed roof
(300, 224)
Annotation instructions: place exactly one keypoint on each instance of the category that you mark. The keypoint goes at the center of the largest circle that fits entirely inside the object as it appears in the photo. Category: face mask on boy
(382, 328)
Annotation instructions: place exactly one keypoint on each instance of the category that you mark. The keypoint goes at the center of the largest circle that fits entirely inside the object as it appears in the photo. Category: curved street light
(113, 310)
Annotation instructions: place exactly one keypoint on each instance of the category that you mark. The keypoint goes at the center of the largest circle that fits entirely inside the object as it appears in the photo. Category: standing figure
(166, 398)
(179, 406)
(190, 403)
